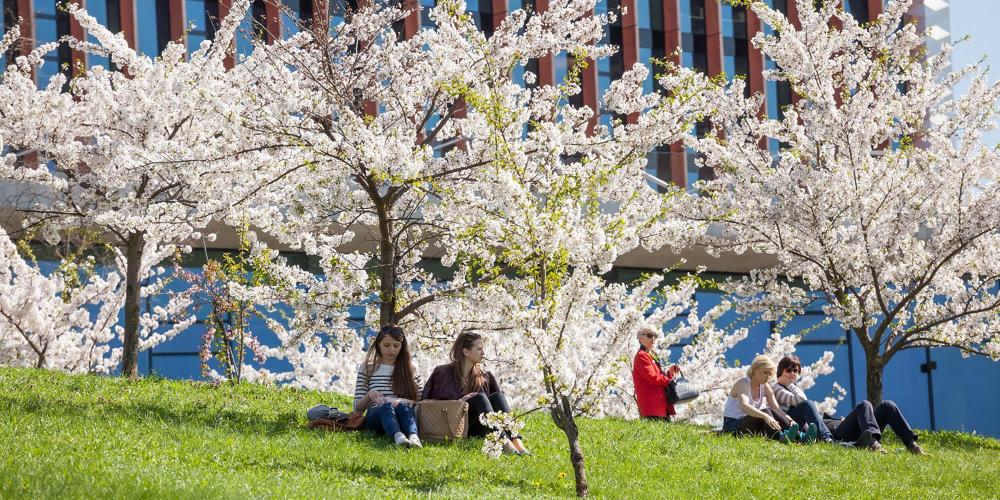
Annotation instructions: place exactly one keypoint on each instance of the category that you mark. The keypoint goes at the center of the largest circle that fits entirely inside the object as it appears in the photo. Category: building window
(252, 28)
(152, 26)
(8, 19)
(202, 21)
(694, 42)
(51, 23)
(482, 15)
(295, 14)
(858, 9)
(610, 68)
(108, 13)
(532, 65)
(778, 94)
(337, 10)
(736, 43)
(652, 39)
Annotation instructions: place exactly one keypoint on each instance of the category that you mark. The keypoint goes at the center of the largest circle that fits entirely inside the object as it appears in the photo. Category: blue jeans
(807, 413)
(388, 420)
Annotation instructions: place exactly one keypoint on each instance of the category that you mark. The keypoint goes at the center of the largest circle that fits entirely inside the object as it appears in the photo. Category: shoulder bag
(681, 390)
(324, 417)
(442, 420)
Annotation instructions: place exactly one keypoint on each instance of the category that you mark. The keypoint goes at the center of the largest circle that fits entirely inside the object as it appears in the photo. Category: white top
(734, 409)
(381, 381)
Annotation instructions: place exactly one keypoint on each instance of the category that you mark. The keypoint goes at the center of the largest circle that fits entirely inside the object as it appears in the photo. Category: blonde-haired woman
(751, 408)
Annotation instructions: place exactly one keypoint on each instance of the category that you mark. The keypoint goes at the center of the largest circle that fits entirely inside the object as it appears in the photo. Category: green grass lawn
(87, 436)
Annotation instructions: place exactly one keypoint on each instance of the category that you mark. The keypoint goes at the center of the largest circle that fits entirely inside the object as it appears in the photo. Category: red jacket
(650, 384)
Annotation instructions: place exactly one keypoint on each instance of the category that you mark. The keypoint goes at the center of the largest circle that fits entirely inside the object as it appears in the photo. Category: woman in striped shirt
(388, 387)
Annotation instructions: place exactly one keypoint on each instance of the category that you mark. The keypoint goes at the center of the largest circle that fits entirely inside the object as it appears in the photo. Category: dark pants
(806, 413)
(386, 419)
(480, 404)
(752, 426)
(864, 417)
(665, 419)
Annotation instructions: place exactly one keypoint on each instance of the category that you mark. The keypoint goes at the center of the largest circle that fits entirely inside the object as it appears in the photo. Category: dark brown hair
(789, 362)
(402, 381)
(477, 377)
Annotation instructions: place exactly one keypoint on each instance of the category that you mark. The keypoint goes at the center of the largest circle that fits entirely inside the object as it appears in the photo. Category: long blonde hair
(761, 363)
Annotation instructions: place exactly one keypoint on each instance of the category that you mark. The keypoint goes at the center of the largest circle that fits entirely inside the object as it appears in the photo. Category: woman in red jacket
(650, 380)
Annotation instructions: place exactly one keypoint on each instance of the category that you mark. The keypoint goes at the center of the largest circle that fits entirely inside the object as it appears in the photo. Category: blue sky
(978, 20)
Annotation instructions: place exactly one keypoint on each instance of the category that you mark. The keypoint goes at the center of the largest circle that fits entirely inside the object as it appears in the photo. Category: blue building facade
(937, 389)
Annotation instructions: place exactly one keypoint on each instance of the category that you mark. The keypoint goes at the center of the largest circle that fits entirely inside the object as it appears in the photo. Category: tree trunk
(873, 377)
(563, 417)
(387, 270)
(130, 344)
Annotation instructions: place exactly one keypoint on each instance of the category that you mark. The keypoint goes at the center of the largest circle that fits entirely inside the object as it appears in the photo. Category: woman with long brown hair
(388, 387)
(465, 379)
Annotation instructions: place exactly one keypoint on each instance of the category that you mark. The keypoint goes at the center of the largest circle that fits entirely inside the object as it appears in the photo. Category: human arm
(430, 387)
(362, 396)
(491, 383)
(646, 370)
(741, 392)
(788, 396)
(772, 403)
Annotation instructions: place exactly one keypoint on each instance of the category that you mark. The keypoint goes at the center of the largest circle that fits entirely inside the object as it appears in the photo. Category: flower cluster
(505, 426)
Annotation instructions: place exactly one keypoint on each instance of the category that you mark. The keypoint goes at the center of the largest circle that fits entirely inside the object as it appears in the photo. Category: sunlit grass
(87, 436)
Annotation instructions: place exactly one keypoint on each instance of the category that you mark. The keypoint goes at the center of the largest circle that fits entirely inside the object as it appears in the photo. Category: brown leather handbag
(342, 422)
(442, 420)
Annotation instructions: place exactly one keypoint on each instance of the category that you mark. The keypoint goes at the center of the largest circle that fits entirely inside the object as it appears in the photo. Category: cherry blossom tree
(261, 294)
(142, 154)
(564, 201)
(882, 202)
(45, 320)
(379, 131)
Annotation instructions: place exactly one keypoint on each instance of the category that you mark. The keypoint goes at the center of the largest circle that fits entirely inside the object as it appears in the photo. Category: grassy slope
(93, 436)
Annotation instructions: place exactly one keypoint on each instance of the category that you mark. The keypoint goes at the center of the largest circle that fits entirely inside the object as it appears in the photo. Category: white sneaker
(415, 441)
(401, 439)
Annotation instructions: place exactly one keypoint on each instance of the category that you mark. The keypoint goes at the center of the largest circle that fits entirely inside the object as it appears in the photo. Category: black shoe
(865, 440)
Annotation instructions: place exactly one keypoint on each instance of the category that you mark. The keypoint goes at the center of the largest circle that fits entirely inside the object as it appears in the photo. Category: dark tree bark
(562, 415)
(873, 376)
(133, 261)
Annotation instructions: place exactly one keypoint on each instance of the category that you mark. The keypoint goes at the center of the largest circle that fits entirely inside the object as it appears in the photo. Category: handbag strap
(447, 415)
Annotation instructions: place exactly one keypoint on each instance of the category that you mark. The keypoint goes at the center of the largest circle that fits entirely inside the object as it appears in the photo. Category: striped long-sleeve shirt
(787, 396)
(381, 381)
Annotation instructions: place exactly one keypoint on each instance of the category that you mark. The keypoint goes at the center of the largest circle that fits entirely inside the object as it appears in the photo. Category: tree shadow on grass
(413, 476)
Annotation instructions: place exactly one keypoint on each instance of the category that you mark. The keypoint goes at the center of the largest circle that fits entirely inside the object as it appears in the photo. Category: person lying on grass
(465, 379)
(751, 408)
(863, 426)
(388, 387)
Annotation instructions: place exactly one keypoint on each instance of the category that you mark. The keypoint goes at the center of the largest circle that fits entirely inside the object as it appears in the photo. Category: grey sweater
(787, 397)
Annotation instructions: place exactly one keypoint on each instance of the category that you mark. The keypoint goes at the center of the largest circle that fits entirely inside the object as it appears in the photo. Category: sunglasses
(651, 335)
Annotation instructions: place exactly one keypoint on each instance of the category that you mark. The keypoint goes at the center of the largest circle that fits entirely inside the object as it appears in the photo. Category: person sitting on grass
(794, 402)
(863, 426)
(388, 387)
(464, 379)
(650, 380)
(751, 408)
(865, 423)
